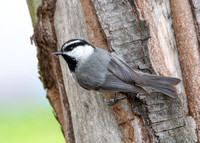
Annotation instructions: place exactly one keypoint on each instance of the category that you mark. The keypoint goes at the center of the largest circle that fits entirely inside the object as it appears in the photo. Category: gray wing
(113, 83)
(89, 82)
(121, 77)
(121, 70)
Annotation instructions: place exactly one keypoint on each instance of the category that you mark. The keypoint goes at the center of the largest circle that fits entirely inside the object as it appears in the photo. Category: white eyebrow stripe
(71, 43)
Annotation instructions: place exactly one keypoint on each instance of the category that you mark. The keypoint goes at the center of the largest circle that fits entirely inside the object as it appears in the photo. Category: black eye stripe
(72, 46)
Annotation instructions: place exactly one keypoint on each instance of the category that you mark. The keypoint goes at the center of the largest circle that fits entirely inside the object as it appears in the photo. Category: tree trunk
(158, 37)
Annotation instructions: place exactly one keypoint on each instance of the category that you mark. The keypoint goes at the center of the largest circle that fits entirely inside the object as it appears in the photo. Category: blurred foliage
(33, 5)
(30, 126)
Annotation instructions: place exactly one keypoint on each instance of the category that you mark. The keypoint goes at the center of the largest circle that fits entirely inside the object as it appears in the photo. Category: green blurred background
(25, 114)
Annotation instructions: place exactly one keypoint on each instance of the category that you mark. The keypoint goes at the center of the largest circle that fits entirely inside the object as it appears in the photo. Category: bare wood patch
(94, 29)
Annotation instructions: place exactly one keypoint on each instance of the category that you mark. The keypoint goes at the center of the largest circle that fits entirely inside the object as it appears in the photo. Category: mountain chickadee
(96, 69)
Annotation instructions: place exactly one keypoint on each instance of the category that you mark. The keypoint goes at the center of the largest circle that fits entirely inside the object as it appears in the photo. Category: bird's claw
(111, 102)
(114, 100)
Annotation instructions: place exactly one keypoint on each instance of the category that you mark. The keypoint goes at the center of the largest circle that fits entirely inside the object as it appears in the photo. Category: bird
(96, 69)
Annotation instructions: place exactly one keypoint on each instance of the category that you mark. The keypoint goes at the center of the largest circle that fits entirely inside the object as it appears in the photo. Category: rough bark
(195, 4)
(141, 32)
(187, 43)
(49, 68)
(165, 115)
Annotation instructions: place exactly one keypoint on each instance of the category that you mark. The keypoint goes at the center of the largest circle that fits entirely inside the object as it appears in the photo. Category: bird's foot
(114, 100)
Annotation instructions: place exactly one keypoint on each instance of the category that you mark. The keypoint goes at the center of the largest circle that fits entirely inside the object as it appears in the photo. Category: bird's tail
(163, 84)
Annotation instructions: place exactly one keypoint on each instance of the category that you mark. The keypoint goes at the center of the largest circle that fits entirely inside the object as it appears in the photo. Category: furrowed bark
(165, 115)
(195, 4)
(187, 43)
(163, 40)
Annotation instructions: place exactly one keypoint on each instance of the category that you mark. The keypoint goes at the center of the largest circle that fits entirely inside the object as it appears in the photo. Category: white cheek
(76, 53)
(81, 52)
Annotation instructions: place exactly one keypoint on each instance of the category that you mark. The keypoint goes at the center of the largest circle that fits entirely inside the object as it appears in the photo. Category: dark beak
(58, 53)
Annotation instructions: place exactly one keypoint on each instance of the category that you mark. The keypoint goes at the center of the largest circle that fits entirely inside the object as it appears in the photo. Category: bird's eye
(68, 49)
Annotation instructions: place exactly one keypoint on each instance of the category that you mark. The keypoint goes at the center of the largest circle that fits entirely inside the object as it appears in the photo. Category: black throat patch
(72, 63)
